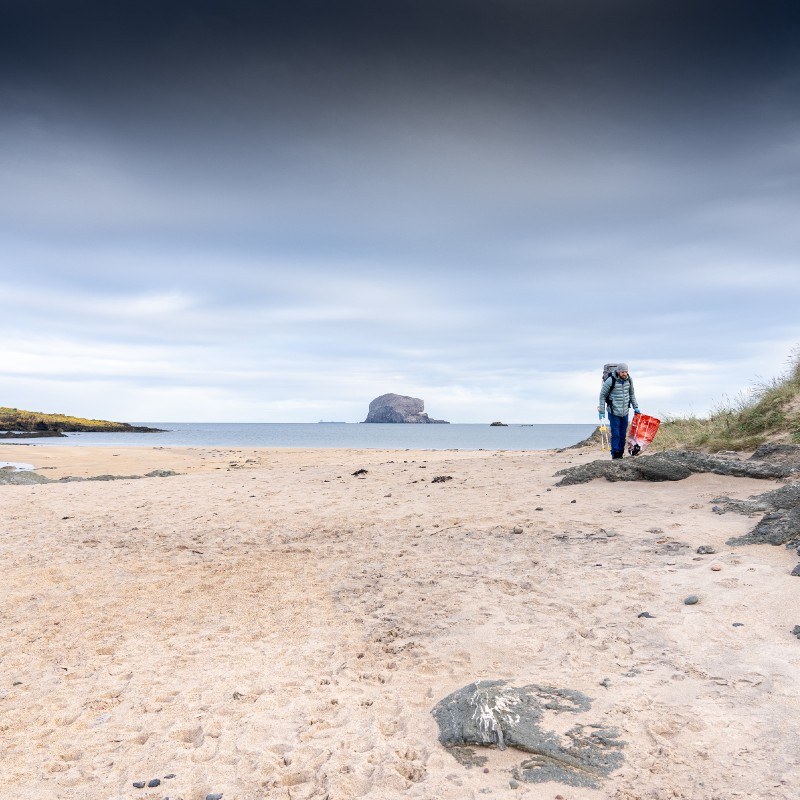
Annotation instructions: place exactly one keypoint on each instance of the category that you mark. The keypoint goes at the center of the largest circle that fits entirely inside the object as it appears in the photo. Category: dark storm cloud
(198, 59)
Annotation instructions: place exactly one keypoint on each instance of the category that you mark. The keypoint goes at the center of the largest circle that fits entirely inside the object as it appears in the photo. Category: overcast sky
(276, 211)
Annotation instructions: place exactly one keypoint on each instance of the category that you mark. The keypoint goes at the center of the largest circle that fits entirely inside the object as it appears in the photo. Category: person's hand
(601, 415)
(636, 411)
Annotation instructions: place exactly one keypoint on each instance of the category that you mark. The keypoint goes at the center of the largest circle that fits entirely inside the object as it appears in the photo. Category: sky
(254, 211)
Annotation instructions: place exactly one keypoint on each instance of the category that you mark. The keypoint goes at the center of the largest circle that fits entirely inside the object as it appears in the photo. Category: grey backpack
(610, 369)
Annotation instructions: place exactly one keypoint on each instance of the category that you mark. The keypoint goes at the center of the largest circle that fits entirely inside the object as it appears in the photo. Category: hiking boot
(616, 454)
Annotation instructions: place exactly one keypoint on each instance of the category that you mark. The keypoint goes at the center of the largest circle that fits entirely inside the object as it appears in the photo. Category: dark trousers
(619, 430)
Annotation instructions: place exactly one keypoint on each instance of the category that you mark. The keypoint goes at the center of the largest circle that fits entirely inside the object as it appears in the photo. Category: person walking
(617, 393)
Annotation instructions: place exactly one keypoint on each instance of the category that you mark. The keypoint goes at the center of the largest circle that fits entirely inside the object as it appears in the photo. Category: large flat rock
(495, 714)
(676, 465)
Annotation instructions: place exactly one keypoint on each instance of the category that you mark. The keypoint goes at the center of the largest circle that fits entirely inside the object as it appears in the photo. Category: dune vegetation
(769, 413)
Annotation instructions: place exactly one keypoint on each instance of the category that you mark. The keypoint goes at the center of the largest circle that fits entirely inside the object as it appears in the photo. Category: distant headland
(15, 420)
(400, 408)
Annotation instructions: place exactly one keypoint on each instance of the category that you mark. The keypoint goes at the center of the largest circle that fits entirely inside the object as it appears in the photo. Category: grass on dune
(770, 413)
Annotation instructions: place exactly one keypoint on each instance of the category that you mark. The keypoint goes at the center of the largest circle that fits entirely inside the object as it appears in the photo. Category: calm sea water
(352, 435)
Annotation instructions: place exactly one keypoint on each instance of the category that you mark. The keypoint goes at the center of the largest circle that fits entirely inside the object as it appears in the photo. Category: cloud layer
(277, 211)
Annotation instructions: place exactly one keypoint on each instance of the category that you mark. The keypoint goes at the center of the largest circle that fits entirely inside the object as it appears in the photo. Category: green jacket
(622, 397)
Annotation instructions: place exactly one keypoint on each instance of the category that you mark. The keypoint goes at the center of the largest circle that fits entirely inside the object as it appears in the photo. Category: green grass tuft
(771, 412)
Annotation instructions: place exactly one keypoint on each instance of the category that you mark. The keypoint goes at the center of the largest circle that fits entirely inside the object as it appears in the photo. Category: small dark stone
(646, 615)
(796, 571)
(573, 501)
(215, 796)
(691, 600)
(705, 550)
(359, 472)
(17, 683)
(138, 784)
(153, 783)
(539, 508)
(442, 478)
(738, 624)
(169, 777)
(796, 631)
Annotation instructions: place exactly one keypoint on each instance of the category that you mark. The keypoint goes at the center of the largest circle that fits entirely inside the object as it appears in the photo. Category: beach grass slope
(769, 413)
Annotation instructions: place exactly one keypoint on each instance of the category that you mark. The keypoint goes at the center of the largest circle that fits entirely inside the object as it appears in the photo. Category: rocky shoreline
(780, 523)
(30, 434)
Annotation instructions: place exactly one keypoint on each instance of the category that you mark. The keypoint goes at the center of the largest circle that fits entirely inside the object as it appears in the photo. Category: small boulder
(691, 600)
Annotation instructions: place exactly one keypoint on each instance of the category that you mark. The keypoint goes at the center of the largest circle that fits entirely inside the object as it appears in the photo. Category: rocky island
(400, 408)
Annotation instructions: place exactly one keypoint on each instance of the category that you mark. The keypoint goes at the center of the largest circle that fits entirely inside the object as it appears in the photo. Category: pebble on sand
(716, 567)
(138, 784)
(646, 615)
(215, 796)
(705, 550)
(691, 600)
(153, 783)
(796, 571)
(516, 529)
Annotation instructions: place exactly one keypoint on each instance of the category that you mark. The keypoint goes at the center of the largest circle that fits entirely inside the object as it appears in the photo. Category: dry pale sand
(266, 625)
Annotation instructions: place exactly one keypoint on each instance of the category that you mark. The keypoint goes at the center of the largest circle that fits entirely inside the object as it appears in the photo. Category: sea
(357, 436)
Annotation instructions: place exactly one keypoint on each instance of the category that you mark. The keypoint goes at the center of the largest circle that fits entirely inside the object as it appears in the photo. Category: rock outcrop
(399, 408)
(493, 713)
(28, 478)
(780, 523)
(675, 466)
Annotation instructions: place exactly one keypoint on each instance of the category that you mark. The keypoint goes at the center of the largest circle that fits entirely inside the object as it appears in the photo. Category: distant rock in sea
(399, 408)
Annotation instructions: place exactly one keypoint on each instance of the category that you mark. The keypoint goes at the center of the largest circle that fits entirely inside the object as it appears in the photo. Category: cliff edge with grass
(15, 419)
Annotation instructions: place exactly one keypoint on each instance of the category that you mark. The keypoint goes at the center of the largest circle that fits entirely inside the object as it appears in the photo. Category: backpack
(610, 369)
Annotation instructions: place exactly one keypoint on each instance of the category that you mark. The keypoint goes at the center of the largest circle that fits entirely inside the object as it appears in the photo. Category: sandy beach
(268, 625)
